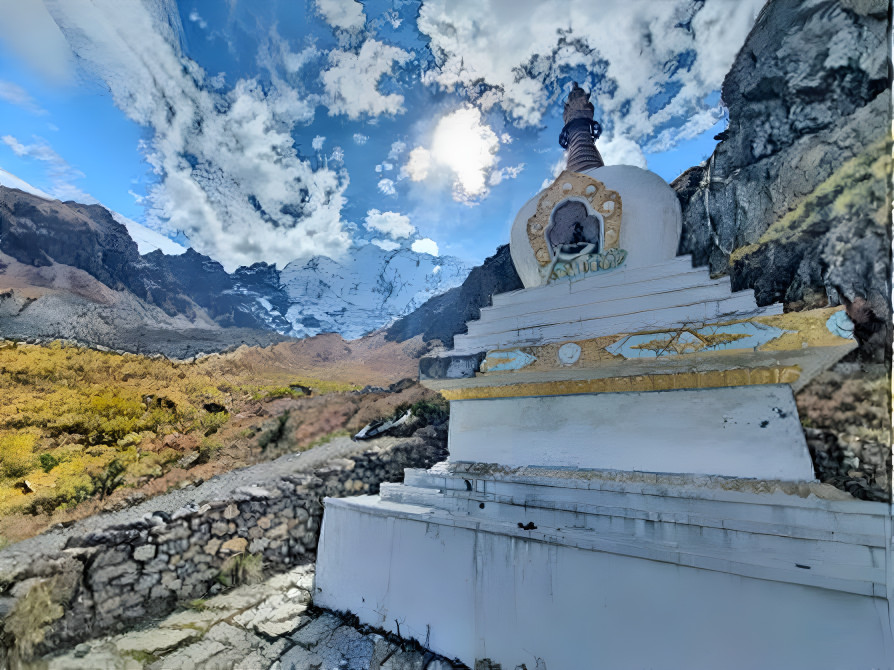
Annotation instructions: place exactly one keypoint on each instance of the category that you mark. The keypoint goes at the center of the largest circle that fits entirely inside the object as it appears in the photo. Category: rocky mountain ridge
(187, 298)
(792, 202)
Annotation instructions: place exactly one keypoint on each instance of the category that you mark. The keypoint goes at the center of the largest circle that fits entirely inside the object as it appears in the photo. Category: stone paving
(268, 626)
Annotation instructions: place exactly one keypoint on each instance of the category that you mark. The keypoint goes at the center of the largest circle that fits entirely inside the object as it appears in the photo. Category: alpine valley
(80, 272)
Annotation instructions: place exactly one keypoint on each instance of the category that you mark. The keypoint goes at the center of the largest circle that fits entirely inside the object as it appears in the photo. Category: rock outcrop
(446, 315)
(792, 201)
(44, 233)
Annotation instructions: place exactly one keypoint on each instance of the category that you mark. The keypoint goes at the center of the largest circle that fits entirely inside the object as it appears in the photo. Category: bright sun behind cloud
(465, 145)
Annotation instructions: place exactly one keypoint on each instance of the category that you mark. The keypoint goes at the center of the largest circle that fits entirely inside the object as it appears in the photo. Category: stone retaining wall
(107, 581)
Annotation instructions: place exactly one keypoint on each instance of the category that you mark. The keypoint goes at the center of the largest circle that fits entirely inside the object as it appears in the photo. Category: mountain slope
(140, 302)
(792, 203)
(445, 315)
(147, 239)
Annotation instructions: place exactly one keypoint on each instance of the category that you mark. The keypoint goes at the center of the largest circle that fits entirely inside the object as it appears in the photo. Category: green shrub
(27, 623)
(47, 461)
(109, 479)
(431, 412)
(213, 421)
(207, 451)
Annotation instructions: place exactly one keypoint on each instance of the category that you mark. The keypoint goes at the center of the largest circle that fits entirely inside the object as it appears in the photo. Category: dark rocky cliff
(792, 203)
(40, 232)
(445, 315)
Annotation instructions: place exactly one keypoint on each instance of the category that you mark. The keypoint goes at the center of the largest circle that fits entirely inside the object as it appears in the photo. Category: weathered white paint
(651, 221)
(494, 322)
(744, 431)
(520, 249)
(668, 295)
(635, 579)
(657, 319)
(620, 277)
(535, 299)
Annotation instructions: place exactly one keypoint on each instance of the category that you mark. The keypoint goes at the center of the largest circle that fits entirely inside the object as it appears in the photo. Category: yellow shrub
(17, 453)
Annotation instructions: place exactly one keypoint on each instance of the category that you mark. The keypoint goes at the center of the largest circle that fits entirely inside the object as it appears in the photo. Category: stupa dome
(625, 216)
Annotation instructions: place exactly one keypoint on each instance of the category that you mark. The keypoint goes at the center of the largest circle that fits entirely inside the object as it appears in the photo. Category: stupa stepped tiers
(628, 483)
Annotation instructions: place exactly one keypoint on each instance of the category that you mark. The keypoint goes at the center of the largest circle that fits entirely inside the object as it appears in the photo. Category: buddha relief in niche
(574, 232)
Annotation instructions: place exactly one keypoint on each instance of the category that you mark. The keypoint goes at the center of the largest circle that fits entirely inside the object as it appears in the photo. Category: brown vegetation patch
(82, 431)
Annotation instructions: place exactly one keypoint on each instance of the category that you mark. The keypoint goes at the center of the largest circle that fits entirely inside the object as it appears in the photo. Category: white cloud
(195, 18)
(360, 139)
(619, 150)
(393, 18)
(517, 53)
(16, 95)
(394, 225)
(386, 186)
(229, 175)
(397, 148)
(291, 61)
(425, 246)
(317, 143)
(502, 174)
(352, 80)
(344, 14)
(337, 155)
(60, 174)
(387, 245)
(418, 164)
(29, 30)
(555, 170)
(463, 145)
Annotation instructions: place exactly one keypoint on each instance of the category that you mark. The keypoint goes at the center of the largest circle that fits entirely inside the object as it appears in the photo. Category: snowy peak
(367, 290)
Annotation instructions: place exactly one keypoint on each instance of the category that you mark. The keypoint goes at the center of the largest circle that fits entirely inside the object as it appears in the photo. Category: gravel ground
(216, 488)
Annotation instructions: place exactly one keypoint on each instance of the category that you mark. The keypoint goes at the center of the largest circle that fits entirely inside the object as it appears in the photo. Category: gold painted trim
(781, 374)
(599, 200)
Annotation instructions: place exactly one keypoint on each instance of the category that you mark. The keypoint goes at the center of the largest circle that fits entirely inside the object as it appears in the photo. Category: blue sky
(279, 130)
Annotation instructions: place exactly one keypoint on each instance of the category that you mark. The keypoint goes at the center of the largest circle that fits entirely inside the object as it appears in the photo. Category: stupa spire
(580, 133)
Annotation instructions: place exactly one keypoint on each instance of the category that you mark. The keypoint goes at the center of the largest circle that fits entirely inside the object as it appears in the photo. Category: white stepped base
(742, 431)
(669, 295)
(617, 573)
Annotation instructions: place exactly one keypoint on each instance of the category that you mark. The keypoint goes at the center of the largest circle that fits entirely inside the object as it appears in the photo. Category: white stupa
(628, 483)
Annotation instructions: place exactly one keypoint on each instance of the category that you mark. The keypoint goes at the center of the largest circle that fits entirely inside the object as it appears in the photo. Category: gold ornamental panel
(604, 202)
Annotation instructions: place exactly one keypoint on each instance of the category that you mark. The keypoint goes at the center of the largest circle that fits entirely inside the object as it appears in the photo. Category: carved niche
(576, 228)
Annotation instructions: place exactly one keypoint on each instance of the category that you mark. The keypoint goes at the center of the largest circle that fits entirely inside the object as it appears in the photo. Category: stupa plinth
(628, 483)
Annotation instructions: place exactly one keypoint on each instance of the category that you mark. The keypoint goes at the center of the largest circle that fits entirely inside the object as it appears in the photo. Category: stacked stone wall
(109, 580)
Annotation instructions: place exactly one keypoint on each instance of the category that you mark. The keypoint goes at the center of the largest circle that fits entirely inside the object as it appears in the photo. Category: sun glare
(463, 143)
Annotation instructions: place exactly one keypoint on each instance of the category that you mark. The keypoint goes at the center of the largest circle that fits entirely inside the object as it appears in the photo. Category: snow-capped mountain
(368, 289)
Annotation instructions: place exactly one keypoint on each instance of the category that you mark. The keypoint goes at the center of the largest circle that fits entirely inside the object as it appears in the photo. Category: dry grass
(83, 430)
(77, 422)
